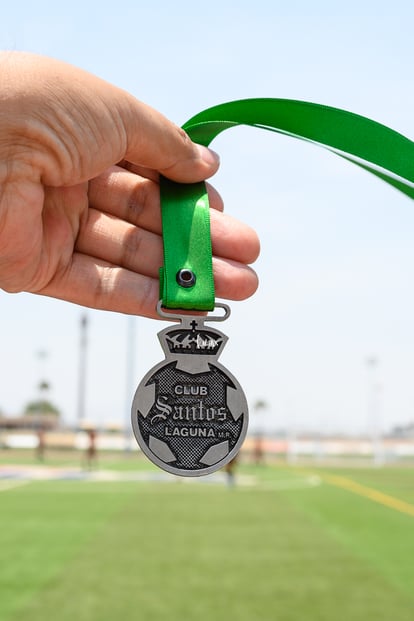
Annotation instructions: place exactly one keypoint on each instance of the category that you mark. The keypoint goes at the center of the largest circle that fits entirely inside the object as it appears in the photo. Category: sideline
(6, 485)
(368, 492)
(304, 482)
(13, 476)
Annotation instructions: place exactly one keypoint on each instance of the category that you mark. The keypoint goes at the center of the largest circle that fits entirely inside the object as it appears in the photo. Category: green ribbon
(187, 246)
(374, 147)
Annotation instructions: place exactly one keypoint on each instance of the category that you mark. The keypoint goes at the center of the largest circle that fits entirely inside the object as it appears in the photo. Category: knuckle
(141, 199)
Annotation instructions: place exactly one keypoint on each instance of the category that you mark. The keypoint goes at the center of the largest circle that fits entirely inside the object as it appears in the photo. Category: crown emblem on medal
(193, 341)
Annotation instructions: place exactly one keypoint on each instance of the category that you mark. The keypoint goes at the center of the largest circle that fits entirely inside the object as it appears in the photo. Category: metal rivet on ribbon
(186, 278)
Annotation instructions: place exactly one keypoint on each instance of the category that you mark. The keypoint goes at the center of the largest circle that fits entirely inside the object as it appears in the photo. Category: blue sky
(337, 263)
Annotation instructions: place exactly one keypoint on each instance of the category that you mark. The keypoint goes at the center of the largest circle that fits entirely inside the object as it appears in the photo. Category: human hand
(79, 198)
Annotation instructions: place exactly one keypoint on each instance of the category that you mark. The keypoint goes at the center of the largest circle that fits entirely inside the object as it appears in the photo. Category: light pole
(291, 449)
(40, 423)
(83, 345)
(130, 377)
(258, 450)
(374, 414)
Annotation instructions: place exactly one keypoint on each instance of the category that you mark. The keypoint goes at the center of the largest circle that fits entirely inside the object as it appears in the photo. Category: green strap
(366, 143)
(187, 246)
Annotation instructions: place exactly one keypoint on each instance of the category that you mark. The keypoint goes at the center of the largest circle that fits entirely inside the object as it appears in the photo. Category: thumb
(155, 142)
(84, 124)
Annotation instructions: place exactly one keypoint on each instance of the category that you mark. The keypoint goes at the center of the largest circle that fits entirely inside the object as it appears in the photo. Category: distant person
(230, 470)
(41, 445)
(91, 450)
(258, 451)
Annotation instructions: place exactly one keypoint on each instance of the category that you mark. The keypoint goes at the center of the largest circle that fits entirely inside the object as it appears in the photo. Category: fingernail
(208, 155)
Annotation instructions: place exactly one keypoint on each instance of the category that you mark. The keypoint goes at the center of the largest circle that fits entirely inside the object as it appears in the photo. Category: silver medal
(189, 414)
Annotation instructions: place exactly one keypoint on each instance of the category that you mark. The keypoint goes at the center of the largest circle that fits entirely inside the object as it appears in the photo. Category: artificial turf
(282, 549)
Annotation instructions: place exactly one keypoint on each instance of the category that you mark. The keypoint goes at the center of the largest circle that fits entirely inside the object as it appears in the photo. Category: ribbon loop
(374, 147)
(186, 279)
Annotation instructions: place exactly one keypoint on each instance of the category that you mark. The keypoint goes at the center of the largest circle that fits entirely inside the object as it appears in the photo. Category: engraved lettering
(221, 414)
(189, 432)
(163, 407)
(206, 343)
(189, 413)
(191, 389)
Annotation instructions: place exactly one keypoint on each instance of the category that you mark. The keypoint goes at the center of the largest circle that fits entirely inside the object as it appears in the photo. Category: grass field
(286, 544)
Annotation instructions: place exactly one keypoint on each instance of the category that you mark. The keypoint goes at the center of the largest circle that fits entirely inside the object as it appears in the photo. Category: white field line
(218, 478)
(286, 484)
(5, 485)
